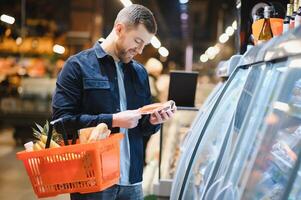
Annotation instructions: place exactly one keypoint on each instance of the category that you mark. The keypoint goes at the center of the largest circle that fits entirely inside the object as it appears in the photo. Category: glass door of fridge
(211, 137)
(231, 165)
(293, 190)
(234, 84)
(190, 141)
(254, 81)
(278, 140)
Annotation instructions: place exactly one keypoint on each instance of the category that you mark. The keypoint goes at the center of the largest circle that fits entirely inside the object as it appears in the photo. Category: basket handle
(64, 133)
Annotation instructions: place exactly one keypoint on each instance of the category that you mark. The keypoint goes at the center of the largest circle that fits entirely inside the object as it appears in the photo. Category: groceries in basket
(41, 134)
(84, 168)
(93, 134)
(86, 135)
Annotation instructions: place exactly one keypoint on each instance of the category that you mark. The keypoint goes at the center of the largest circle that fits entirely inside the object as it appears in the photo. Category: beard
(124, 55)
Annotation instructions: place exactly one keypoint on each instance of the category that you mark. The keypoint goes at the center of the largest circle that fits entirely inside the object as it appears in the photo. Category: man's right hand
(126, 119)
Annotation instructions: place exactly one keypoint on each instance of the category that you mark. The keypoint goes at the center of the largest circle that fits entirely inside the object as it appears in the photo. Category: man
(104, 84)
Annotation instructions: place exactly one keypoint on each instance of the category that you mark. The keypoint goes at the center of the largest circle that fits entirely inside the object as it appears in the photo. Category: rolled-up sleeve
(67, 99)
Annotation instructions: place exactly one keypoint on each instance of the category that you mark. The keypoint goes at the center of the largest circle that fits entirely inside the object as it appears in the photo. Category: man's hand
(161, 116)
(126, 119)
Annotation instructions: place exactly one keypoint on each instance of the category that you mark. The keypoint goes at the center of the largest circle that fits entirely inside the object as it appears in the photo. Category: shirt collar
(100, 52)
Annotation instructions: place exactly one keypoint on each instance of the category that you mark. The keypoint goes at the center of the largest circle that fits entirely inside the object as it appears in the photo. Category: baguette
(103, 131)
(84, 135)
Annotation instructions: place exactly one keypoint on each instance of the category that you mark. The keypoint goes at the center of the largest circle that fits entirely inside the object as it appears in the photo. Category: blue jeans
(116, 192)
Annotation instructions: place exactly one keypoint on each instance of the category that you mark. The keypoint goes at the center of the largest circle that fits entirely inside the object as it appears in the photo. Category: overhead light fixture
(204, 58)
(126, 3)
(58, 49)
(183, 1)
(155, 42)
(223, 38)
(19, 41)
(230, 30)
(163, 51)
(234, 25)
(212, 52)
(212, 56)
(184, 16)
(7, 19)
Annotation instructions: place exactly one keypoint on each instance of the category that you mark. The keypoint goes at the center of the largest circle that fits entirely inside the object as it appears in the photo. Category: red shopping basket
(79, 168)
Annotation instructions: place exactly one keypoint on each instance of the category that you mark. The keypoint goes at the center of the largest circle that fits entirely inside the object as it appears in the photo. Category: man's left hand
(161, 116)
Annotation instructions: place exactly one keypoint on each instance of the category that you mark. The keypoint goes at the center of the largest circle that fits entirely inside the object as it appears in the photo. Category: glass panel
(174, 133)
(202, 115)
(191, 139)
(275, 151)
(213, 136)
(295, 193)
(254, 81)
(246, 135)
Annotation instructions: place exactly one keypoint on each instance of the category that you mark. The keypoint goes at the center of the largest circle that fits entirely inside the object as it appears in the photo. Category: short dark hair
(135, 14)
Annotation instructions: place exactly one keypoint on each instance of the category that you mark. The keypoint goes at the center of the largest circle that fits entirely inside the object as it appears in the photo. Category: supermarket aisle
(14, 183)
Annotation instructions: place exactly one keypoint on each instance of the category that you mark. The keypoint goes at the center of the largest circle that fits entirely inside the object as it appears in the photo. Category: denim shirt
(87, 94)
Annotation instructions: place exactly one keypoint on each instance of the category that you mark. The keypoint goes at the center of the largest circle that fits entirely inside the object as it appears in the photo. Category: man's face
(130, 41)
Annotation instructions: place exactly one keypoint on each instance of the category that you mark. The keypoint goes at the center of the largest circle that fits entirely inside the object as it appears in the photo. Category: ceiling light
(230, 30)
(234, 25)
(155, 42)
(183, 1)
(211, 57)
(19, 41)
(203, 58)
(58, 49)
(163, 51)
(126, 3)
(7, 19)
(184, 16)
(212, 51)
(223, 38)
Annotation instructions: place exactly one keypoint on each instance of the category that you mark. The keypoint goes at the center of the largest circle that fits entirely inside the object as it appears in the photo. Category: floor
(14, 182)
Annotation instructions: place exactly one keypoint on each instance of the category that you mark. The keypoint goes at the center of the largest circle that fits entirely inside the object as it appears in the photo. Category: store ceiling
(201, 31)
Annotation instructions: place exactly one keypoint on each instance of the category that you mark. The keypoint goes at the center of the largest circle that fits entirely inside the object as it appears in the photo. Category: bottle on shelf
(292, 20)
(266, 32)
(258, 14)
(298, 16)
(286, 21)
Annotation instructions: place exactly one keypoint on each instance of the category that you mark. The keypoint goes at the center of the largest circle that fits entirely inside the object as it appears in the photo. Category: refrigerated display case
(211, 108)
(293, 189)
(172, 136)
(227, 179)
(271, 123)
(186, 135)
(212, 121)
(236, 149)
(229, 98)
(230, 115)
(275, 151)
